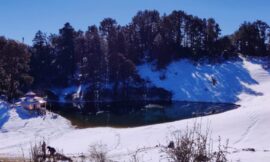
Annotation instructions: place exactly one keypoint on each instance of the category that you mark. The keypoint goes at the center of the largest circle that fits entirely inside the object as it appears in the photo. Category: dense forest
(106, 56)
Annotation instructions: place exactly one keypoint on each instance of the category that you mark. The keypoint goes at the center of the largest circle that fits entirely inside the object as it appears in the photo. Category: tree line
(14, 68)
(107, 54)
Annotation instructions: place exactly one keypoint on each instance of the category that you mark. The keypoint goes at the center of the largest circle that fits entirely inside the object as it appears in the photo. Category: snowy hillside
(191, 82)
(19, 128)
(246, 82)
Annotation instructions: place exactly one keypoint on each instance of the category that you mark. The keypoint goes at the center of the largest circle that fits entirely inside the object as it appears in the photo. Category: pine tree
(14, 67)
(66, 58)
(250, 39)
(41, 60)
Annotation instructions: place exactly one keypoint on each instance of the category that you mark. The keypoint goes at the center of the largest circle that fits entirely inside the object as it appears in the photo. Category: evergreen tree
(80, 57)
(212, 35)
(109, 28)
(146, 25)
(66, 58)
(14, 67)
(250, 39)
(41, 59)
(94, 59)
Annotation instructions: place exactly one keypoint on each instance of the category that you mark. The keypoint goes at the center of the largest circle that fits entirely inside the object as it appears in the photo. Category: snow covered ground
(191, 82)
(20, 129)
(244, 82)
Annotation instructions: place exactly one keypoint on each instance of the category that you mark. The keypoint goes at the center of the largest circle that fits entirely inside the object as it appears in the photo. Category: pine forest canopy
(108, 53)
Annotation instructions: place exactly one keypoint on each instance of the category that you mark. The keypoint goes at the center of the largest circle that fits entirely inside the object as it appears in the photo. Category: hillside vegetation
(105, 57)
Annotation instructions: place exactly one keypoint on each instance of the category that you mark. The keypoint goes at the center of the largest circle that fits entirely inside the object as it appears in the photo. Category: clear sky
(22, 18)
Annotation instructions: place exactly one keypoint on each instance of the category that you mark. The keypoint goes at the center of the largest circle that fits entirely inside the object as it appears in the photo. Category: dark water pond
(132, 114)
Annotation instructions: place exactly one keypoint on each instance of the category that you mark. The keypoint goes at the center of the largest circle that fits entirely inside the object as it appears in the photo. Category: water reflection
(132, 114)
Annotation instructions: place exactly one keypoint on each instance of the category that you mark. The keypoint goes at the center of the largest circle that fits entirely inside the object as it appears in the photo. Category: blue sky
(22, 18)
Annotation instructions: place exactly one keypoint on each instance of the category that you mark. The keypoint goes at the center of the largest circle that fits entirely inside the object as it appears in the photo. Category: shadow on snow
(189, 82)
(4, 115)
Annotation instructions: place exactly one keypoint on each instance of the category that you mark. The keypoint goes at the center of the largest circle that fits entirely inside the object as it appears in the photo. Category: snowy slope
(246, 127)
(191, 82)
(22, 129)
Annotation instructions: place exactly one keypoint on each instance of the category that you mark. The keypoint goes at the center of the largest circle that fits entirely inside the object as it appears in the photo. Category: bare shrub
(98, 153)
(221, 153)
(24, 159)
(135, 156)
(193, 145)
(35, 153)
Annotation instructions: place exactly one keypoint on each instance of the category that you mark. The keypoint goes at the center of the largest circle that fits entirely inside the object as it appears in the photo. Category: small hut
(33, 102)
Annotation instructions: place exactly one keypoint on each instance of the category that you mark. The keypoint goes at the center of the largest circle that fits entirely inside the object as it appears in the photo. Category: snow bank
(191, 82)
